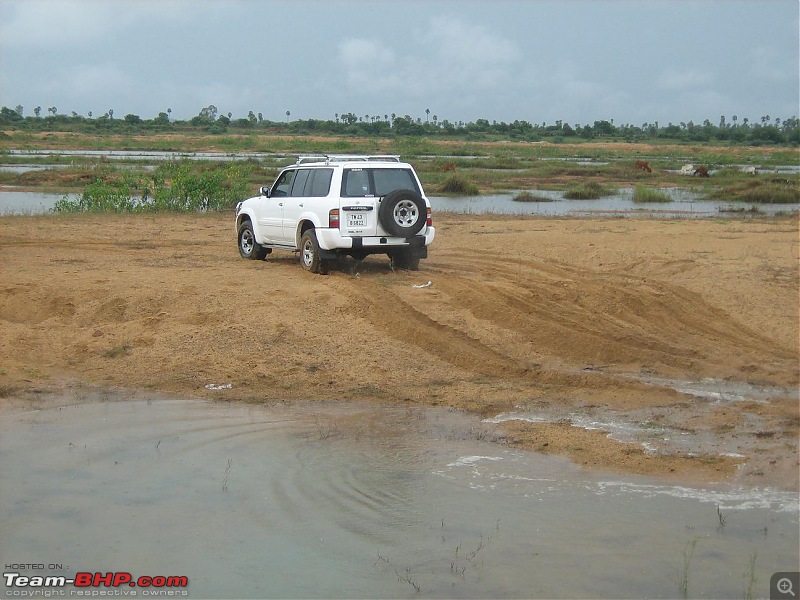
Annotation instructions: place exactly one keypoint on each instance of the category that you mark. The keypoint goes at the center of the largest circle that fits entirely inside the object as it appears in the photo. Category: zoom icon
(784, 585)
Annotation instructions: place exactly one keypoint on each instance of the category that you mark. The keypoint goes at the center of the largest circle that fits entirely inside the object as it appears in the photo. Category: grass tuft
(457, 184)
(587, 191)
(646, 194)
(526, 196)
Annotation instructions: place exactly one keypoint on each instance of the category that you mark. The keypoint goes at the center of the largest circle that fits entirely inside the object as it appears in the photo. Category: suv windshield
(376, 182)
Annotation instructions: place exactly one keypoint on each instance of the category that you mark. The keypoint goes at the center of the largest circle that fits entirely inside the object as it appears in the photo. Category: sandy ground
(567, 321)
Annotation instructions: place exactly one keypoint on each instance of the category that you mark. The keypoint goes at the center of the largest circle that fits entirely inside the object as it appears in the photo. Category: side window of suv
(300, 180)
(320, 184)
(313, 183)
(284, 184)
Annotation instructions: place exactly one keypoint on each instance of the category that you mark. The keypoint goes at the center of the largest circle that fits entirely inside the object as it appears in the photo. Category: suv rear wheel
(404, 260)
(309, 253)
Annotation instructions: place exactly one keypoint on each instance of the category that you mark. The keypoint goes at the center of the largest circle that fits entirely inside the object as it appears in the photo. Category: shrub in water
(181, 186)
(587, 191)
(646, 194)
(526, 196)
(456, 184)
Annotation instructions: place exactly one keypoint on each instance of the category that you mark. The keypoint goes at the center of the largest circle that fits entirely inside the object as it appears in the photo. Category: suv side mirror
(264, 190)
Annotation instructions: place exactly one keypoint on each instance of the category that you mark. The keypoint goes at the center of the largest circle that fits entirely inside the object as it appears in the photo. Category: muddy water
(349, 500)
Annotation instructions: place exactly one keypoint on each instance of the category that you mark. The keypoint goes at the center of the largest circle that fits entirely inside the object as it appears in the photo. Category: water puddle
(660, 431)
(353, 500)
(151, 155)
(685, 204)
(27, 203)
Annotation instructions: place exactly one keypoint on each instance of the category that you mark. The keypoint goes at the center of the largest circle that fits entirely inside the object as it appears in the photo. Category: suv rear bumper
(332, 239)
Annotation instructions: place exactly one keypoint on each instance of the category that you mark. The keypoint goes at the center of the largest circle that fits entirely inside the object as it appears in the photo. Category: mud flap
(417, 246)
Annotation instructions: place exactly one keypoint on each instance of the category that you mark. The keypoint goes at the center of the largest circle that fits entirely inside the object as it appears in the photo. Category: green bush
(646, 194)
(767, 190)
(587, 191)
(526, 196)
(456, 184)
(175, 186)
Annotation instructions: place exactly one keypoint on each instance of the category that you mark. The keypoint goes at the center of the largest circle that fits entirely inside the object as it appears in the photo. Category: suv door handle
(300, 205)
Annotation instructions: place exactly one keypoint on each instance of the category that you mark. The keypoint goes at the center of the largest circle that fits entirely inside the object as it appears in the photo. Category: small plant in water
(587, 191)
(688, 552)
(750, 574)
(526, 196)
(646, 194)
(225, 478)
(721, 517)
(457, 184)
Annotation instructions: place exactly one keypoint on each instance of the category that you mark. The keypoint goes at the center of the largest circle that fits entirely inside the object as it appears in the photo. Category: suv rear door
(362, 189)
(359, 210)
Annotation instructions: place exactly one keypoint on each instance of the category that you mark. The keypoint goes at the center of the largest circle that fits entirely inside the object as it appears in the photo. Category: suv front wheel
(248, 247)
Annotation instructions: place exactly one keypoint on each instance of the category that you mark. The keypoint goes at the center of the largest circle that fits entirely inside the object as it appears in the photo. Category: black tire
(310, 255)
(248, 247)
(402, 213)
(404, 260)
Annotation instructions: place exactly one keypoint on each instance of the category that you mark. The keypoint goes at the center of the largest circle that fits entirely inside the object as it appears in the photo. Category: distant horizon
(739, 120)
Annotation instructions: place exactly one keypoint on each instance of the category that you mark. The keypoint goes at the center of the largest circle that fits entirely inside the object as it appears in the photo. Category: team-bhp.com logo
(90, 584)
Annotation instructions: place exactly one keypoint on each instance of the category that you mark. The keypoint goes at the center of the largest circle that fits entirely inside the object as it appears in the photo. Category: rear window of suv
(376, 182)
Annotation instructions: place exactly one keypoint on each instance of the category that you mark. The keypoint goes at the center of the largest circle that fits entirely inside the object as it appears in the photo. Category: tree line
(765, 130)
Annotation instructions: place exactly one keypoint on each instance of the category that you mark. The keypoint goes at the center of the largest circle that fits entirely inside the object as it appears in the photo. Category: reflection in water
(349, 500)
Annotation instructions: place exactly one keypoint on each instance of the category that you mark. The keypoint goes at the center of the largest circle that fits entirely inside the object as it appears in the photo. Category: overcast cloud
(578, 61)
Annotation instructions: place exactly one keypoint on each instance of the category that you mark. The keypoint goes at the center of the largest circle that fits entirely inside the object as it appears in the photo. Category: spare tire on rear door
(402, 213)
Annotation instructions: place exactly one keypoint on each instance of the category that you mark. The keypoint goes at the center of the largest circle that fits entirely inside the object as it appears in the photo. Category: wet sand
(553, 317)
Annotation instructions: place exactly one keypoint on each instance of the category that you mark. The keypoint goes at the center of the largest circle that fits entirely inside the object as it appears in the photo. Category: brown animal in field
(701, 172)
(448, 167)
(641, 165)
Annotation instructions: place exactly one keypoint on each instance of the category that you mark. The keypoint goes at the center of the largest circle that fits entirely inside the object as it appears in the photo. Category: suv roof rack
(329, 158)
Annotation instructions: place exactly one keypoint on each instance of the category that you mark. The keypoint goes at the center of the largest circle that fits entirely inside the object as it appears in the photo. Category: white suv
(327, 206)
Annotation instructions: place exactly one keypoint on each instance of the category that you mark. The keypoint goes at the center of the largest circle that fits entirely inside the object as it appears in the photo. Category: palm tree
(427, 114)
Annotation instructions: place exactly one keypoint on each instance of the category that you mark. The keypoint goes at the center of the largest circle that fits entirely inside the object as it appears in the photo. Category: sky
(541, 61)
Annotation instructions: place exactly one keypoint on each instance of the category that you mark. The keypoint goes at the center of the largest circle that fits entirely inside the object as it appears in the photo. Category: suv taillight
(333, 218)
(429, 222)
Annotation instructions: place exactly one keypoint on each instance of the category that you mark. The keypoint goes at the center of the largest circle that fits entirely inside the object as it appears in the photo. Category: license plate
(357, 220)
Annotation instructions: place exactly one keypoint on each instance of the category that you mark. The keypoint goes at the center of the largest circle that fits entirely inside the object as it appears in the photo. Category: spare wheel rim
(406, 213)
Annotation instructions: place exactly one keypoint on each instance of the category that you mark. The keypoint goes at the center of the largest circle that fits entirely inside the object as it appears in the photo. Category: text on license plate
(357, 220)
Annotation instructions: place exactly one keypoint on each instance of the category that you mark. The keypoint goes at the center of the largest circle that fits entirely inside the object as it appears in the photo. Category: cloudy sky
(632, 61)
